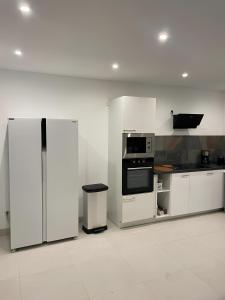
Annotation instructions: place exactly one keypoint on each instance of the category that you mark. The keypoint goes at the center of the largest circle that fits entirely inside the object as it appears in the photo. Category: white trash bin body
(95, 208)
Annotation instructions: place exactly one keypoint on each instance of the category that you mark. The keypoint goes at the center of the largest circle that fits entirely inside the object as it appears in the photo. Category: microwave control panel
(148, 144)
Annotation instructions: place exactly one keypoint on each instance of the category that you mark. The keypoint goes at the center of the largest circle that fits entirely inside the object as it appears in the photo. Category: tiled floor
(181, 259)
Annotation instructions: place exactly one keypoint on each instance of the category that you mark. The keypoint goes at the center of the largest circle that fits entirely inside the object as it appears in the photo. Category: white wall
(24, 94)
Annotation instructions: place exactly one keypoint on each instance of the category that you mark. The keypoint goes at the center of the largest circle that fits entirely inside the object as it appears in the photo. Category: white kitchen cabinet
(215, 180)
(199, 192)
(138, 114)
(179, 195)
(138, 207)
(206, 191)
(126, 115)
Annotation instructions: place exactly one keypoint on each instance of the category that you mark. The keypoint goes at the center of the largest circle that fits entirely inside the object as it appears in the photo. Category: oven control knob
(143, 160)
(139, 161)
(133, 161)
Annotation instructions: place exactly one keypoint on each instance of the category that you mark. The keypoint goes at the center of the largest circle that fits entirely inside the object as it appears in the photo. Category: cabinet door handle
(129, 130)
(129, 199)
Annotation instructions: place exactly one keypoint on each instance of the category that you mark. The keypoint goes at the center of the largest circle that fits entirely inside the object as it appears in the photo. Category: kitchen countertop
(189, 168)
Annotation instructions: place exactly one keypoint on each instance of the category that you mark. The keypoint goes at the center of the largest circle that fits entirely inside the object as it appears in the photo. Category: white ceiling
(84, 37)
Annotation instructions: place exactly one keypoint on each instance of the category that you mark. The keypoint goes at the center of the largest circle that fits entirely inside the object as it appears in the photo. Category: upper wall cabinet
(138, 114)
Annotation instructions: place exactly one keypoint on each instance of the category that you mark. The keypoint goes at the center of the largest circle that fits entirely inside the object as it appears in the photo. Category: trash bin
(95, 208)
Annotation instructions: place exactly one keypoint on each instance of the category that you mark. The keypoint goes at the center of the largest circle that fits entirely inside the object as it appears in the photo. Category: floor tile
(4, 244)
(8, 266)
(106, 274)
(203, 224)
(179, 259)
(145, 237)
(55, 284)
(182, 285)
(150, 262)
(189, 252)
(213, 274)
(10, 289)
(88, 249)
(215, 242)
(40, 259)
(137, 291)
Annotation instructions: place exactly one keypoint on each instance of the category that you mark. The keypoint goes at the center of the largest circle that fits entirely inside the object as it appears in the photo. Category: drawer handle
(209, 174)
(185, 176)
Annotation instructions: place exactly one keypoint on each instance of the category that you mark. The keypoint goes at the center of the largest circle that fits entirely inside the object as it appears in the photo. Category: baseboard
(167, 218)
(4, 231)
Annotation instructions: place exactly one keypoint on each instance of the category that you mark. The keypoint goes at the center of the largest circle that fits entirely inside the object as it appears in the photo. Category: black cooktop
(192, 166)
(195, 167)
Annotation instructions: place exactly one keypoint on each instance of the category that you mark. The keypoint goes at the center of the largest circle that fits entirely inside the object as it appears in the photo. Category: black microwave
(138, 145)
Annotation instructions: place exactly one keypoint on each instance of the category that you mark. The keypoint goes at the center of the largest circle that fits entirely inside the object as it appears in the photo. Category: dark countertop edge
(215, 168)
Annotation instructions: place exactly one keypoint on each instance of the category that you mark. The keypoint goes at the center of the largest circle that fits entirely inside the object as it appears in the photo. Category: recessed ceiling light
(25, 9)
(115, 66)
(185, 75)
(18, 52)
(163, 36)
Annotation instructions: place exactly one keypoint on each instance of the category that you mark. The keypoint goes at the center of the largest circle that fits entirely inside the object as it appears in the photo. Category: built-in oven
(137, 176)
(138, 145)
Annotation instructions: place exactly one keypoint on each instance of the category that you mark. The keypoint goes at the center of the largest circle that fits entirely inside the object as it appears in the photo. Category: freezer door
(25, 172)
(62, 179)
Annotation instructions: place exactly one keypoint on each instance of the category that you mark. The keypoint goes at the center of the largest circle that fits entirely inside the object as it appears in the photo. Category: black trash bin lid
(95, 188)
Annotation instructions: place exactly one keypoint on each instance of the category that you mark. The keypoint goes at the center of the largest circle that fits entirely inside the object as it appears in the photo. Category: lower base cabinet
(196, 192)
(138, 207)
(206, 191)
(179, 194)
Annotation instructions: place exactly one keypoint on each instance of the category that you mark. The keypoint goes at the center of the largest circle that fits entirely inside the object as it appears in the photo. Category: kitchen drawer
(138, 207)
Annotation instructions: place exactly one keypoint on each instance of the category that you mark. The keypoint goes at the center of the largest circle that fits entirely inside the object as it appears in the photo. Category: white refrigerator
(43, 168)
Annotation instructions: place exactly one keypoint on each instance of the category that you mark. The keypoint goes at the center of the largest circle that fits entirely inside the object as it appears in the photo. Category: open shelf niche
(163, 195)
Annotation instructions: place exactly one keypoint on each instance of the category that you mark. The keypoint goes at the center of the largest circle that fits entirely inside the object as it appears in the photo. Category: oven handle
(140, 168)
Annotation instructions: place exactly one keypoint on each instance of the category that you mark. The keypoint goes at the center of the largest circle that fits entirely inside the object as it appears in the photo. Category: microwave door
(136, 145)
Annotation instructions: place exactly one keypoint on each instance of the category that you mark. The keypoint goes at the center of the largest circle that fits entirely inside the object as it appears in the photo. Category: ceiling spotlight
(25, 9)
(115, 66)
(18, 52)
(163, 36)
(185, 75)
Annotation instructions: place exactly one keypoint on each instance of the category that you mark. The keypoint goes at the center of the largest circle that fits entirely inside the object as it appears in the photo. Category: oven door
(137, 180)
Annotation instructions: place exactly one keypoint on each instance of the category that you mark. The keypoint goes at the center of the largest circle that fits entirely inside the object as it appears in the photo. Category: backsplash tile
(187, 149)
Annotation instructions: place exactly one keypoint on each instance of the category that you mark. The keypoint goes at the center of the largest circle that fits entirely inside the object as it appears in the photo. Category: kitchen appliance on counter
(138, 145)
(137, 176)
(205, 157)
(220, 160)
